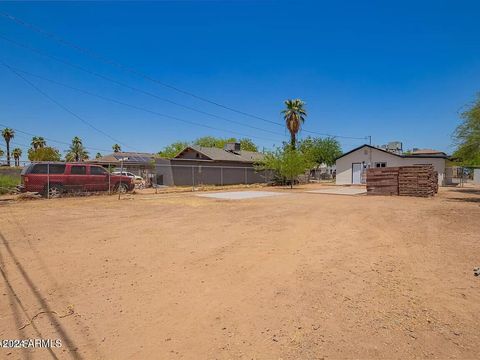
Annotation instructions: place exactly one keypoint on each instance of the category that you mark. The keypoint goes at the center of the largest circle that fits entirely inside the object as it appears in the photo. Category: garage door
(356, 173)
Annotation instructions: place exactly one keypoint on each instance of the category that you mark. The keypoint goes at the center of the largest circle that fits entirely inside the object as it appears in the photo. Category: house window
(380, 164)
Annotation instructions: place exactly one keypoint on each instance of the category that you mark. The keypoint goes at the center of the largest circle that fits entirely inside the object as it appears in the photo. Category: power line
(50, 139)
(61, 106)
(141, 108)
(81, 68)
(141, 74)
(140, 90)
(124, 67)
(14, 143)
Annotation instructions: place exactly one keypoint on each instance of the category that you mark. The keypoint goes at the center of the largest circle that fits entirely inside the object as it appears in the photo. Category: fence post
(120, 184)
(193, 180)
(109, 180)
(221, 175)
(48, 180)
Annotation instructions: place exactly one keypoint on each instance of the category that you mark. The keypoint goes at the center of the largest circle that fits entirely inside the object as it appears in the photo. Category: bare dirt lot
(300, 276)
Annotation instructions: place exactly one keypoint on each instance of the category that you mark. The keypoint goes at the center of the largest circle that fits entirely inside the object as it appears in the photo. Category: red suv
(57, 178)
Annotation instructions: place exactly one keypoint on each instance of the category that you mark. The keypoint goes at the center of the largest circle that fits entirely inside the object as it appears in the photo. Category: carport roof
(129, 157)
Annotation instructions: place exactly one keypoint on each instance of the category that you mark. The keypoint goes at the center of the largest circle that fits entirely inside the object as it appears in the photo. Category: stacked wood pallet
(382, 181)
(420, 180)
(417, 181)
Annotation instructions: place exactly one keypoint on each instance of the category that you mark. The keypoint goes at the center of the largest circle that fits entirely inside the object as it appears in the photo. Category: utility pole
(369, 140)
(121, 174)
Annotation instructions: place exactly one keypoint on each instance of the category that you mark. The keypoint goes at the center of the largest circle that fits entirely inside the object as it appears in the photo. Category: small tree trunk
(8, 152)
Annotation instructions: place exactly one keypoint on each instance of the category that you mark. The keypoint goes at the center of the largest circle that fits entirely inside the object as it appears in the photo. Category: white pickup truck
(138, 180)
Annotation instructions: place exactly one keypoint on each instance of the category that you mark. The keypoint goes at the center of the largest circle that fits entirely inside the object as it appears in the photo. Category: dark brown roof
(427, 152)
(217, 154)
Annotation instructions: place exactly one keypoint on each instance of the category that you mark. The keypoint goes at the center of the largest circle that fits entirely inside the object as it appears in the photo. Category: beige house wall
(367, 156)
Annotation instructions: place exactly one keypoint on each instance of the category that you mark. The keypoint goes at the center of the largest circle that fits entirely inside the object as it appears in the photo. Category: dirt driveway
(300, 276)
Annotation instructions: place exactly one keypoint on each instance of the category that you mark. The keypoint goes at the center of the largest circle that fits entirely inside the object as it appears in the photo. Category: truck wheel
(55, 191)
(121, 188)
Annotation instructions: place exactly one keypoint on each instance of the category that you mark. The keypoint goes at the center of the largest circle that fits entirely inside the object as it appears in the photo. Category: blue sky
(392, 70)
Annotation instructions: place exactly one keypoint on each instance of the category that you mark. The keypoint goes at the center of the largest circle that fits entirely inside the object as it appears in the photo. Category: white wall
(476, 176)
(367, 155)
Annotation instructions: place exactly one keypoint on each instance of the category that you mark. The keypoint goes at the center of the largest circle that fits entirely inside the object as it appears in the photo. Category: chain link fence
(462, 175)
(60, 179)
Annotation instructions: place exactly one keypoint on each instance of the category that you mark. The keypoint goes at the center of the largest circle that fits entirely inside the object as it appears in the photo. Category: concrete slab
(340, 191)
(239, 195)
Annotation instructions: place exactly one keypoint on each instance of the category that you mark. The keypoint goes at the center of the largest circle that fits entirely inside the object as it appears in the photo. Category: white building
(476, 176)
(351, 166)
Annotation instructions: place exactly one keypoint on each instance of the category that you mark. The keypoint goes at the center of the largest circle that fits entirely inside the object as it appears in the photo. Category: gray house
(197, 165)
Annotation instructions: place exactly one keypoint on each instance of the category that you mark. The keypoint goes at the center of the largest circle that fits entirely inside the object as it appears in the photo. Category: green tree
(98, 155)
(321, 151)
(17, 153)
(212, 141)
(45, 153)
(76, 151)
(1, 153)
(38, 142)
(467, 136)
(294, 116)
(171, 150)
(287, 162)
(8, 134)
(116, 148)
(248, 145)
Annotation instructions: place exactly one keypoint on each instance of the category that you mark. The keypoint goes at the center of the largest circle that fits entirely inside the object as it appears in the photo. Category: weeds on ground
(8, 183)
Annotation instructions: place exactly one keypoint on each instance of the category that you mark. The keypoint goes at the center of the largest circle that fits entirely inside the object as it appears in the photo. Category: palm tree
(294, 116)
(38, 142)
(17, 153)
(77, 151)
(8, 134)
(98, 156)
(116, 148)
(1, 153)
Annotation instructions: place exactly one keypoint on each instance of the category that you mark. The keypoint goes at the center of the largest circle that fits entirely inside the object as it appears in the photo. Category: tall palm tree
(76, 151)
(17, 153)
(38, 142)
(116, 148)
(294, 116)
(8, 134)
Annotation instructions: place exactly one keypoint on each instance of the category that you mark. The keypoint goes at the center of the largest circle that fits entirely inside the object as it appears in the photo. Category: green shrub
(8, 183)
